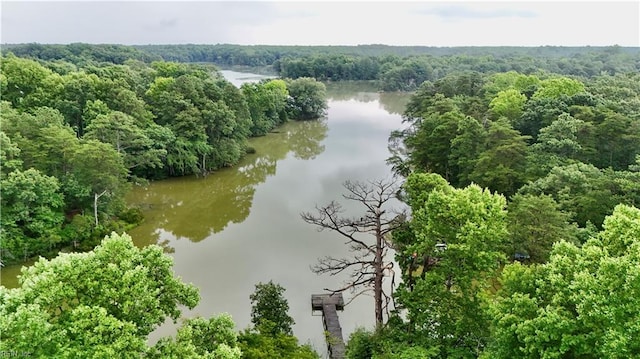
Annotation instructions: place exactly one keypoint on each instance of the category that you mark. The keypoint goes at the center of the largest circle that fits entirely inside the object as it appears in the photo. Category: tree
(98, 168)
(535, 224)
(617, 140)
(200, 338)
(98, 304)
(129, 140)
(31, 213)
(503, 81)
(557, 144)
(585, 192)
(259, 346)
(391, 341)
(369, 264)
(45, 142)
(271, 336)
(430, 145)
(501, 166)
(269, 309)
(457, 244)
(24, 78)
(583, 303)
(307, 99)
(77, 90)
(508, 103)
(9, 155)
(465, 147)
(426, 144)
(558, 86)
(267, 101)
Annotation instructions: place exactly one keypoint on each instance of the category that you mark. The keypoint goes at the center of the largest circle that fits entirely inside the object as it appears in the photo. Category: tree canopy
(100, 303)
(582, 303)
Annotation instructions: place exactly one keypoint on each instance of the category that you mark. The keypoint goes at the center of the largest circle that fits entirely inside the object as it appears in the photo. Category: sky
(426, 23)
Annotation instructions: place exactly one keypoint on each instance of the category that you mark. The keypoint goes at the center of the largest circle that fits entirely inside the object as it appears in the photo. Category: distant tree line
(80, 53)
(394, 68)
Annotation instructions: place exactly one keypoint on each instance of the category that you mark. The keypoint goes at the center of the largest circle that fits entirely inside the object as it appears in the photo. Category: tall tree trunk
(377, 281)
(368, 262)
(95, 204)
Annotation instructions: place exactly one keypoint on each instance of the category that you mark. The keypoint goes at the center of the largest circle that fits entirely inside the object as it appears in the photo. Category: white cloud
(430, 23)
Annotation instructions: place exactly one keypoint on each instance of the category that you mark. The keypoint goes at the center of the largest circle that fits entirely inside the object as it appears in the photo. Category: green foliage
(500, 167)
(102, 303)
(97, 167)
(617, 140)
(469, 142)
(444, 285)
(582, 303)
(585, 192)
(574, 140)
(267, 102)
(408, 75)
(557, 86)
(45, 142)
(131, 215)
(510, 80)
(79, 230)
(22, 79)
(509, 104)
(535, 224)
(31, 213)
(395, 67)
(418, 188)
(271, 336)
(391, 342)
(130, 140)
(206, 119)
(428, 140)
(9, 155)
(269, 310)
(74, 130)
(557, 145)
(200, 338)
(265, 346)
(360, 344)
(307, 99)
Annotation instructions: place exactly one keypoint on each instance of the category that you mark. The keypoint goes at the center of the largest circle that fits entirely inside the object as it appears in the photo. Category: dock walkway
(329, 304)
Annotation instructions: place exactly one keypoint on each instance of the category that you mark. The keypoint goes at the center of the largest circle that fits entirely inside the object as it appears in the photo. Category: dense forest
(394, 68)
(525, 229)
(520, 167)
(74, 137)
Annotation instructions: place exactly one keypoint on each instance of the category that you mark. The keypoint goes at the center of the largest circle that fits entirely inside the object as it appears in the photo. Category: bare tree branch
(366, 238)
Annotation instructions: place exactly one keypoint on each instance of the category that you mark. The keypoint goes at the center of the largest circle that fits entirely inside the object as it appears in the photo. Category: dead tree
(367, 237)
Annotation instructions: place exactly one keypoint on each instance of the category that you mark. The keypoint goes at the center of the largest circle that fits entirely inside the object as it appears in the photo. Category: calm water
(240, 226)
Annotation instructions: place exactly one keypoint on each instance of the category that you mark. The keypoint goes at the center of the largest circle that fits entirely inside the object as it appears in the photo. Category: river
(241, 225)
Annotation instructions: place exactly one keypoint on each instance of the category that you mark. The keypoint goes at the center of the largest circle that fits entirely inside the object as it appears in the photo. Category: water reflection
(196, 208)
(362, 91)
(366, 91)
(394, 102)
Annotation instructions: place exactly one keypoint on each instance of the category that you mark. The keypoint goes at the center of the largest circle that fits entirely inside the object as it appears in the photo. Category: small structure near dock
(329, 304)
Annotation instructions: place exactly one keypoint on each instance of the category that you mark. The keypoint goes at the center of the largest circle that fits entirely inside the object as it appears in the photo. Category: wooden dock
(329, 304)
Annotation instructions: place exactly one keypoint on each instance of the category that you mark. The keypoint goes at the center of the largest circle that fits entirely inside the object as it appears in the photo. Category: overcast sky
(430, 23)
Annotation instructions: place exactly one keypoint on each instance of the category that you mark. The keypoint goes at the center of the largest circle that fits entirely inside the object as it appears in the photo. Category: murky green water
(241, 225)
